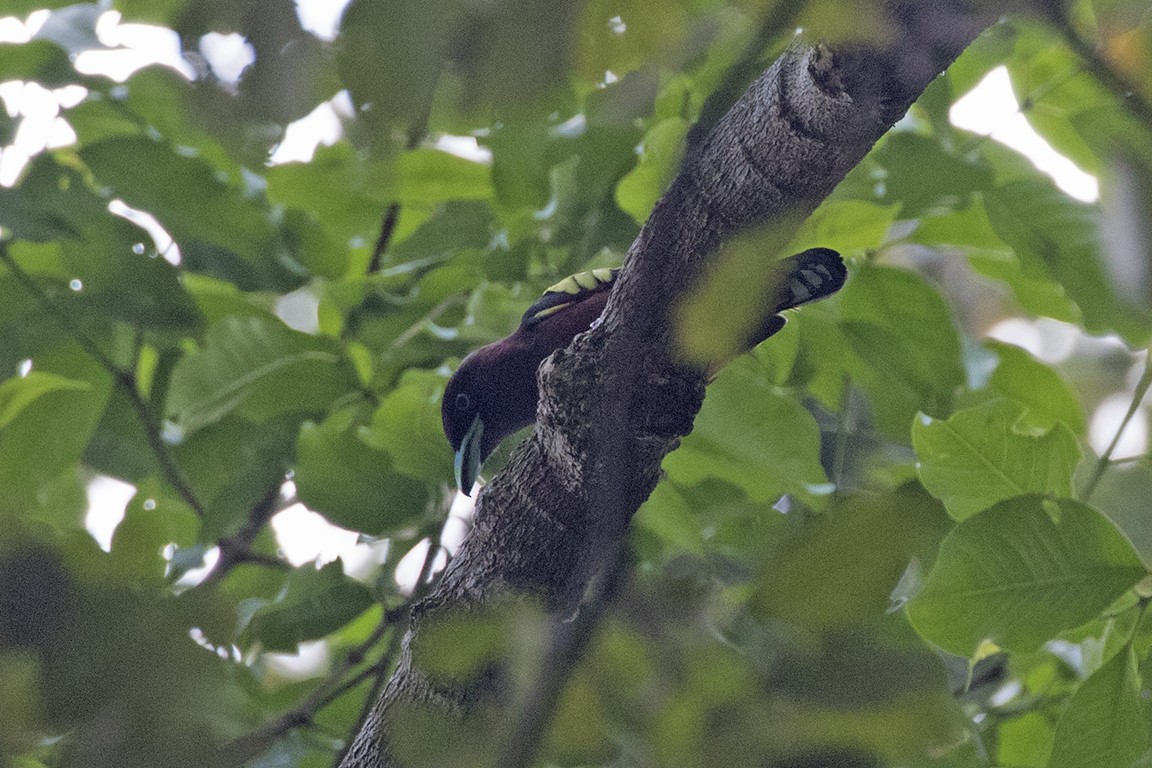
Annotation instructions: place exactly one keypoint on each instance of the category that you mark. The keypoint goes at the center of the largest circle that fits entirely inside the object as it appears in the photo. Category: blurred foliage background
(907, 531)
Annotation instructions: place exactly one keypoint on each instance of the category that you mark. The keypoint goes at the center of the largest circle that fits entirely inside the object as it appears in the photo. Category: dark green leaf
(395, 89)
(1056, 237)
(52, 202)
(187, 196)
(149, 11)
(314, 603)
(232, 465)
(841, 571)
(258, 366)
(351, 484)
(39, 60)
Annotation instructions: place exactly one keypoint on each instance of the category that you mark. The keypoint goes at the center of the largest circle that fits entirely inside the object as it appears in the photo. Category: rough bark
(616, 402)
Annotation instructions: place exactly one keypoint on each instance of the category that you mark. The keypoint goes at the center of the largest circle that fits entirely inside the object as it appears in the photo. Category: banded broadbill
(493, 392)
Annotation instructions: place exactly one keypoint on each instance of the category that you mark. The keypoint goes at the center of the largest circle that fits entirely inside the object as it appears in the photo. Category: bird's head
(491, 395)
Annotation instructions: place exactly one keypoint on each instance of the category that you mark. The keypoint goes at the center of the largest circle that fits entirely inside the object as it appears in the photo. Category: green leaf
(1028, 381)
(340, 188)
(39, 61)
(660, 156)
(668, 515)
(354, 486)
(200, 211)
(17, 394)
(920, 175)
(1103, 725)
(1021, 572)
(149, 11)
(968, 228)
(52, 202)
(121, 280)
(151, 523)
(977, 457)
(232, 465)
(408, 426)
(433, 176)
(847, 226)
(258, 366)
(49, 433)
(840, 571)
(313, 604)
(1025, 741)
(752, 435)
(1054, 236)
(907, 352)
(394, 89)
(718, 319)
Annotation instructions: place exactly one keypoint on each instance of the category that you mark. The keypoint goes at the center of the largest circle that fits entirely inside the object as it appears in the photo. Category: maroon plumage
(493, 393)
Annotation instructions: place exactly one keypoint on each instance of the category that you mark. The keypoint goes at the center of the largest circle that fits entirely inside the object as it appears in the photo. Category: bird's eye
(463, 402)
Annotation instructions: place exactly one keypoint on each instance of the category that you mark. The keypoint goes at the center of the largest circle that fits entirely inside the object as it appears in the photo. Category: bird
(493, 392)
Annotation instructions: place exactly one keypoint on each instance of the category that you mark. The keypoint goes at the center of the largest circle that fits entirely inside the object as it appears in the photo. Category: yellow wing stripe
(582, 281)
(550, 310)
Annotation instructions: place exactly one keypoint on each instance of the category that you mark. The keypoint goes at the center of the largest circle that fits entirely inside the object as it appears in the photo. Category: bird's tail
(809, 276)
(806, 277)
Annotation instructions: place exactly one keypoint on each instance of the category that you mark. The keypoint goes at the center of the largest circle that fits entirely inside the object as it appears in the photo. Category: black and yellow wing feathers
(571, 290)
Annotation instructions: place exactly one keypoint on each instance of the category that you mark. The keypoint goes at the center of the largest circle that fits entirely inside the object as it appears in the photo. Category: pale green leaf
(1021, 572)
(1028, 381)
(847, 226)
(752, 435)
(259, 364)
(977, 457)
(1104, 724)
(17, 394)
(907, 352)
(660, 156)
(408, 426)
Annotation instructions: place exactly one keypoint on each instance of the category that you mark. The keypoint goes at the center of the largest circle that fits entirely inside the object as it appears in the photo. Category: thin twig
(386, 662)
(387, 229)
(1125, 90)
(244, 748)
(1105, 460)
(567, 647)
(237, 548)
(125, 378)
(392, 214)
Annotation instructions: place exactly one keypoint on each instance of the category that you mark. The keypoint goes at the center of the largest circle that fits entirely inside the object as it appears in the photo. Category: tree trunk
(616, 401)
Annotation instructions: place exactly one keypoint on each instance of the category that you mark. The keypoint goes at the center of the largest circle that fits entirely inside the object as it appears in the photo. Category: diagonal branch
(617, 401)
